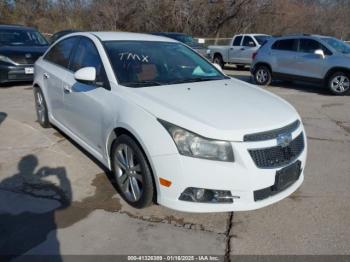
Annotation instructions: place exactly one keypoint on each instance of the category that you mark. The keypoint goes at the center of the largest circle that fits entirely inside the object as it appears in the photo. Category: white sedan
(171, 127)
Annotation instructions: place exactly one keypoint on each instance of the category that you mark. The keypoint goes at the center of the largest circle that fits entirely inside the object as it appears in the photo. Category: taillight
(254, 55)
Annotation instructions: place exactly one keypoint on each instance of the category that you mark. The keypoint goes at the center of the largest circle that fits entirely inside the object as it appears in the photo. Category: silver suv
(315, 58)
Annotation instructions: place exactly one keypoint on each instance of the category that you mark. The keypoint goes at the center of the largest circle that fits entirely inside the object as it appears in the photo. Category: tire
(218, 60)
(41, 108)
(132, 172)
(240, 67)
(262, 75)
(339, 83)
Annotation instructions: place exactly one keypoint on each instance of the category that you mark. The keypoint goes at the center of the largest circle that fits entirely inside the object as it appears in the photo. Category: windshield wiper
(142, 83)
(196, 79)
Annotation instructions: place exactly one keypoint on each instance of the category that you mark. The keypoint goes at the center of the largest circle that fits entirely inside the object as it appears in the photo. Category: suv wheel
(218, 60)
(132, 172)
(339, 83)
(262, 75)
(41, 108)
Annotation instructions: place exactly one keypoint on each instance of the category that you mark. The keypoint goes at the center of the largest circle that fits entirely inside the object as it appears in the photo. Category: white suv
(170, 126)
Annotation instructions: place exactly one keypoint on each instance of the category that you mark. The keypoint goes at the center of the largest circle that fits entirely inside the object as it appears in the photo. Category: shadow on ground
(13, 84)
(20, 232)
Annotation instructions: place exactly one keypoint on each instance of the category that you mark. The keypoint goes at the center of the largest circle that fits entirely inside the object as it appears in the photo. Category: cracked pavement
(56, 199)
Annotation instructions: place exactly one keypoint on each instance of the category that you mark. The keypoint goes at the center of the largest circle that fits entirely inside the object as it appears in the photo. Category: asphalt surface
(56, 199)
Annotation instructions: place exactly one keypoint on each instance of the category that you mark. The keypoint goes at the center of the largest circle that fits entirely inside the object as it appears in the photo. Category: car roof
(252, 34)
(16, 27)
(300, 36)
(127, 36)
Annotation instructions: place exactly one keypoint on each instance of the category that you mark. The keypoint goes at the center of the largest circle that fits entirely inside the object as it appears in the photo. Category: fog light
(202, 195)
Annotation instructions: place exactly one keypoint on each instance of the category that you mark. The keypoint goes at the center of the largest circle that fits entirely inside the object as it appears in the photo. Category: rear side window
(286, 45)
(59, 54)
(86, 55)
(310, 46)
(237, 41)
(248, 41)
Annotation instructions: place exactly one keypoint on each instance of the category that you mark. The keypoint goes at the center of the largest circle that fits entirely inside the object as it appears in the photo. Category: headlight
(193, 145)
(6, 59)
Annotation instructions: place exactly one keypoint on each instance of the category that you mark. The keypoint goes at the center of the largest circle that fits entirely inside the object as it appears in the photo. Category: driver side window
(86, 55)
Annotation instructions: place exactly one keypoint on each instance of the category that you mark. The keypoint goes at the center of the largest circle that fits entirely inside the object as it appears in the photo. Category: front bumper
(241, 178)
(15, 73)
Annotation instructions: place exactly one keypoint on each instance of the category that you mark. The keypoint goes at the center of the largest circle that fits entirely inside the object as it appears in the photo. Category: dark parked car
(20, 47)
(186, 39)
(59, 34)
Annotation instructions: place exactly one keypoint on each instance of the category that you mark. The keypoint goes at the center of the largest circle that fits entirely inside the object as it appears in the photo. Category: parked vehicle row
(314, 58)
(171, 127)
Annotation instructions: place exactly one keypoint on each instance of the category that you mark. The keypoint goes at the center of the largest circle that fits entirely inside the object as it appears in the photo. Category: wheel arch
(263, 64)
(123, 130)
(333, 70)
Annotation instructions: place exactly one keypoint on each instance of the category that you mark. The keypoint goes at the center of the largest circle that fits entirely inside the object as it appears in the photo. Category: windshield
(21, 38)
(338, 45)
(148, 63)
(261, 39)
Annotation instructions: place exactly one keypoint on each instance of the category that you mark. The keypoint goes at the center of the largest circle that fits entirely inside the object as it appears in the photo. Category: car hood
(23, 51)
(223, 109)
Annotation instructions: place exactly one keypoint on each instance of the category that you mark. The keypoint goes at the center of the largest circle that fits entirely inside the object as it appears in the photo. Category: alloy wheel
(128, 172)
(340, 84)
(262, 76)
(40, 107)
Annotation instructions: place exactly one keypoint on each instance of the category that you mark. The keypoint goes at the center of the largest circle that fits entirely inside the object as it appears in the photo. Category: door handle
(46, 76)
(242, 49)
(67, 89)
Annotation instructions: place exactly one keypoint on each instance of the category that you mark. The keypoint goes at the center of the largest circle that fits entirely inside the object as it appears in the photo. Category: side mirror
(85, 75)
(320, 53)
(218, 67)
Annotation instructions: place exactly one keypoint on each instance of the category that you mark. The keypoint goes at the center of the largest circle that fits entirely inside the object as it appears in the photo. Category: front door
(54, 70)
(84, 102)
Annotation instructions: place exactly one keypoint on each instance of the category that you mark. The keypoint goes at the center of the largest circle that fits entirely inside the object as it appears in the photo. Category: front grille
(273, 133)
(277, 156)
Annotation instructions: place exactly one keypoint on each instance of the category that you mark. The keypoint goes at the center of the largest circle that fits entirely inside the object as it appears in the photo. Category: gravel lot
(56, 199)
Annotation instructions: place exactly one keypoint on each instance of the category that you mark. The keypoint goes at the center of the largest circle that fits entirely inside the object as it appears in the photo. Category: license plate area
(29, 70)
(287, 176)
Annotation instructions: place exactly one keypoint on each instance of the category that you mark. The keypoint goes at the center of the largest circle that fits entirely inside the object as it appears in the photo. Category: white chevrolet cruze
(171, 127)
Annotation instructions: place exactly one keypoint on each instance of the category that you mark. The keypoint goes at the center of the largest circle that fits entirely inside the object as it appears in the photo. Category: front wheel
(132, 172)
(262, 75)
(339, 83)
(41, 108)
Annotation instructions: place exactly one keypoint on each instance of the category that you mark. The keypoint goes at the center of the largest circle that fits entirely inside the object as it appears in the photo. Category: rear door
(55, 68)
(247, 49)
(84, 103)
(233, 52)
(284, 54)
(308, 63)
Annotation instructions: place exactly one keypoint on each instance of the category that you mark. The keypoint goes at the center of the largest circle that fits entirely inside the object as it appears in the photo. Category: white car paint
(222, 110)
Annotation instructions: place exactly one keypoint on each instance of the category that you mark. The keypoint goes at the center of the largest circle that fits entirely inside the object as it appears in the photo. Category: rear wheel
(339, 83)
(218, 60)
(132, 172)
(41, 108)
(262, 75)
